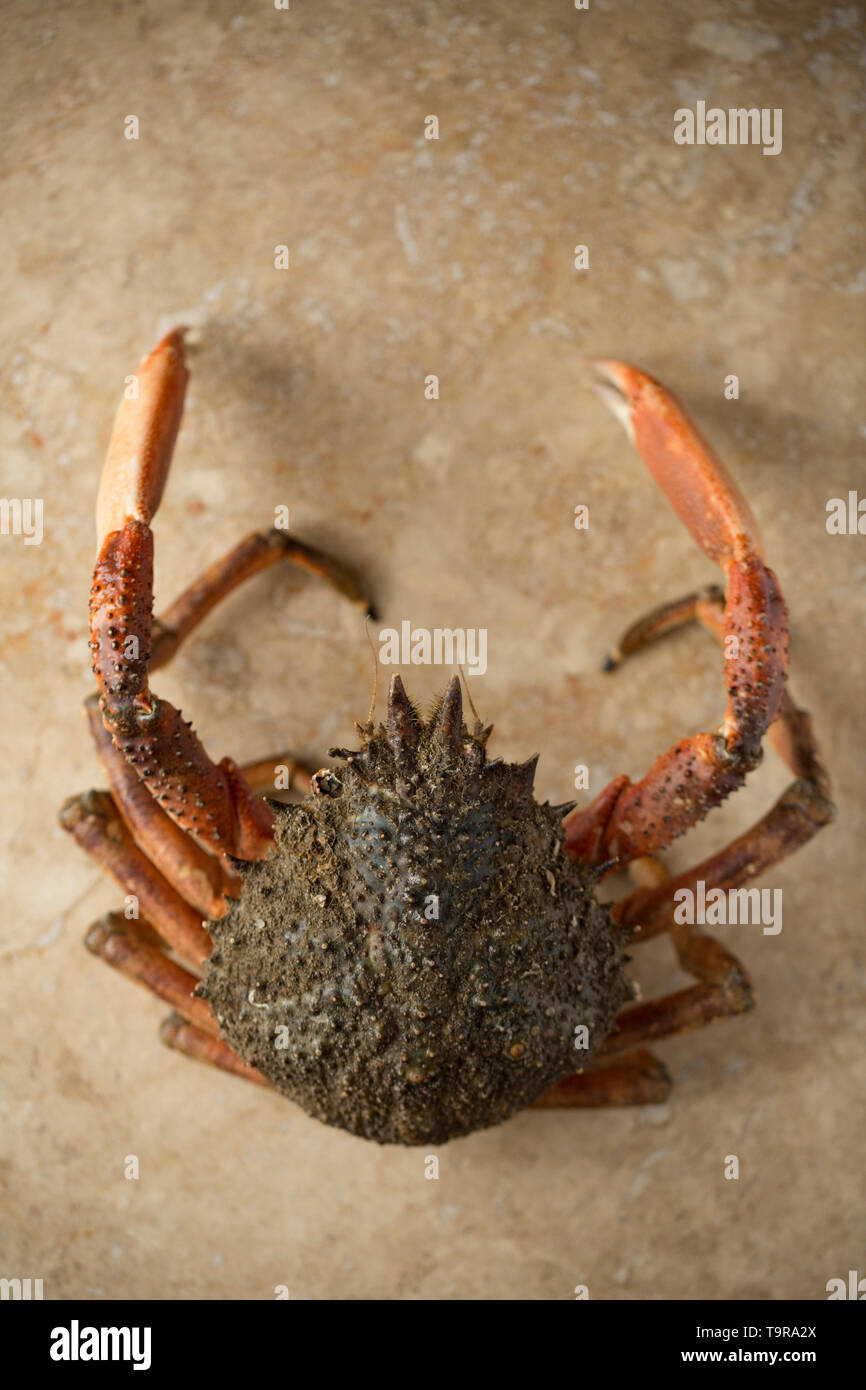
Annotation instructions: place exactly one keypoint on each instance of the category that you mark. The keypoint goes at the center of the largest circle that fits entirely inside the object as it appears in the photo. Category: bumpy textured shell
(412, 963)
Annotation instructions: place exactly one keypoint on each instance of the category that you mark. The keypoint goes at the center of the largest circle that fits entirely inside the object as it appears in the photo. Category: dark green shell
(413, 962)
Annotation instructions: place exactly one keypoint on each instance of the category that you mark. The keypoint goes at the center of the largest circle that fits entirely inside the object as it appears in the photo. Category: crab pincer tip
(610, 381)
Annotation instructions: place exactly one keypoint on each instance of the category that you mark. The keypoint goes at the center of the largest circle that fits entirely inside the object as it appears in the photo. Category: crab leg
(253, 554)
(799, 813)
(629, 820)
(201, 878)
(635, 1078)
(211, 803)
(127, 642)
(723, 989)
(723, 986)
(120, 944)
(193, 1042)
(93, 819)
(706, 606)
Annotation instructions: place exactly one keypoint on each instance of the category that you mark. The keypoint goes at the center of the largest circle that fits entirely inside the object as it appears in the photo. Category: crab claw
(692, 477)
(629, 820)
(142, 440)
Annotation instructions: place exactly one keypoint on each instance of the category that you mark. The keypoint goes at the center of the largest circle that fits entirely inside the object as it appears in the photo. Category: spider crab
(324, 975)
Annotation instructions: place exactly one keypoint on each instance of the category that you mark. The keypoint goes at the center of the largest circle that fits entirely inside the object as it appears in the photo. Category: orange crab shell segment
(142, 440)
(686, 468)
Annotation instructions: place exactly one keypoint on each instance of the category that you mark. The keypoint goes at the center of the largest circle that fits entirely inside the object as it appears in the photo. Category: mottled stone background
(304, 127)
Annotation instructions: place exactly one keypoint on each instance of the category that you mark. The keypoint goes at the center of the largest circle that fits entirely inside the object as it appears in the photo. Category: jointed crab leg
(200, 877)
(123, 945)
(723, 989)
(627, 820)
(705, 606)
(211, 803)
(800, 812)
(160, 775)
(194, 1042)
(623, 1072)
(253, 554)
(96, 824)
(634, 1078)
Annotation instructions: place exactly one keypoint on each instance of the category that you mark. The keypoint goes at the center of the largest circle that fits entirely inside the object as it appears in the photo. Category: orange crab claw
(695, 481)
(626, 821)
(211, 802)
(142, 440)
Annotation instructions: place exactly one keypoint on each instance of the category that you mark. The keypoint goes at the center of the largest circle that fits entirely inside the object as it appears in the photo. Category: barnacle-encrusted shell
(412, 963)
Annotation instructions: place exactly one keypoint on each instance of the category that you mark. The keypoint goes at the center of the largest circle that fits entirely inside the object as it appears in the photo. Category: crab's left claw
(142, 440)
(627, 821)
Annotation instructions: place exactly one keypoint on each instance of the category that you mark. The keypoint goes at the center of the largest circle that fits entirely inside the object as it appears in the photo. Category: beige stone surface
(410, 257)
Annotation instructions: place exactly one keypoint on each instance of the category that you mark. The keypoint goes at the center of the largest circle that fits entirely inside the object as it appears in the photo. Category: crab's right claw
(694, 480)
(627, 821)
